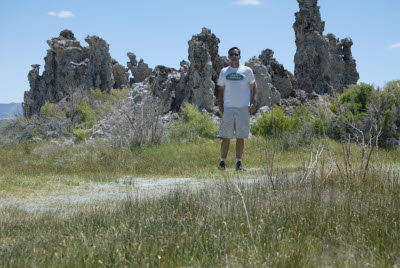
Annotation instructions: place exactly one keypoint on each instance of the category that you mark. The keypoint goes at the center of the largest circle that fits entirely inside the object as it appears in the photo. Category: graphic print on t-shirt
(234, 77)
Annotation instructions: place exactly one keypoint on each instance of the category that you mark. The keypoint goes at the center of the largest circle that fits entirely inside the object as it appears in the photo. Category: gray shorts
(235, 123)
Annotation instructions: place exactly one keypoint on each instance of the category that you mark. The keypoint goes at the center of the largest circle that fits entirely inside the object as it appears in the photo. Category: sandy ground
(119, 190)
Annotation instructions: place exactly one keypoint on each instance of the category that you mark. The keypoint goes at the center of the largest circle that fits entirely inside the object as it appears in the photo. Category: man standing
(237, 96)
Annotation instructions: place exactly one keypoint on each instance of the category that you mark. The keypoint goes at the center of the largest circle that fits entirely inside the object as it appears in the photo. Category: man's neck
(235, 64)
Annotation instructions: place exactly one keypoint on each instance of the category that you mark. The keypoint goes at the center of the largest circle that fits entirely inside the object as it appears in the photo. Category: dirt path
(121, 189)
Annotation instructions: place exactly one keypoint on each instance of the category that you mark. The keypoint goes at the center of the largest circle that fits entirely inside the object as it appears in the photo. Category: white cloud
(395, 45)
(62, 14)
(248, 2)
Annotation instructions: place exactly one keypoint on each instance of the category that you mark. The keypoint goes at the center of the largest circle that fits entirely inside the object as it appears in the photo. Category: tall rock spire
(323, 64)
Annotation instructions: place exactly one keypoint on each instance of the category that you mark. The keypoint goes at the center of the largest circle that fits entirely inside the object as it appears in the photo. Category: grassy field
(34, 169)
(296, 215)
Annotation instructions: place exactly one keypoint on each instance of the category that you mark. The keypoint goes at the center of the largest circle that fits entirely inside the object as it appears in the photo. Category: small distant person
(237, 96)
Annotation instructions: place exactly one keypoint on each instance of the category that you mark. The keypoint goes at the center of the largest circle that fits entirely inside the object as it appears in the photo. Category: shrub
(386, 111)
(51, 122)
(91, 112)
(88, 118)
(302, 118)
(325, 123)
(51, 110)
(289, 131)
(78, 115)
(87, 115)
(23, 129)
(365, 113)
(274, 122)
(192, 125)
(98, 94)
(355, 100)
(82, 134)
(135, 124)
(115, 97)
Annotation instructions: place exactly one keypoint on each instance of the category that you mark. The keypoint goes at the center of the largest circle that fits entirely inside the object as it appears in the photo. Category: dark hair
(229, 51)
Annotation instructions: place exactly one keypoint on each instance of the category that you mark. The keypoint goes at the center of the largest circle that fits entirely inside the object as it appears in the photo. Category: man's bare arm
(221, 94)
(253, 99)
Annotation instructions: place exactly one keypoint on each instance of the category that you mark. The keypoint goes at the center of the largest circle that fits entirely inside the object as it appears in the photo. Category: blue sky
(158, 32)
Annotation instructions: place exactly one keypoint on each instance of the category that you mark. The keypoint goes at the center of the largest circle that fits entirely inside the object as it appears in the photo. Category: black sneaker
(239, 166)
(222, 165)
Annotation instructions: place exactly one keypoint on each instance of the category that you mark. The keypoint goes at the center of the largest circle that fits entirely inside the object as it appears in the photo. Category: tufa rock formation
(181, 91)
(205, 65)
(282, 79)
(99, 72)
(342, 62)
(167, 84)
(323, 64)
(194, 82)
(140, 71)
(68, 67)
(120, 74)
(268, 95)
(273, 80)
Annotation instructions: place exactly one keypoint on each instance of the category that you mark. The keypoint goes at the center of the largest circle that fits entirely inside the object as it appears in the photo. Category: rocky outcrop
(282, 79)
(341, 62)
(267, 95)
(140, 70)
(182, 93)
(205, 65)
(164, 83)
(200, 85)
(194, 82)
(120, 74)
(99, 72)
(273, 80)
(68, 67)
(323, 64)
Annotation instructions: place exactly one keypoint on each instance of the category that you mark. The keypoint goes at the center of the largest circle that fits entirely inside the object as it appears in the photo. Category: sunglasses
(233, 54)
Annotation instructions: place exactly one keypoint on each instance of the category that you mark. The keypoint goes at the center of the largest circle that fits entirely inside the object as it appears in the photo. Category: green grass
(100, 159)
(336, 223)
(42, 168)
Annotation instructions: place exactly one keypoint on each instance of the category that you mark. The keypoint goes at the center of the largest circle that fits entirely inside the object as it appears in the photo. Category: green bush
(355, 99)
(108, 99)
(371, 111)
(288, 131)
(82, 134)
(50, 110)
(193, 125)
(387, 106)
(90, 113)
(302, 118)
(88, 120)
(325, 124)
(115, 97)
(87, 114)
(98, 94)
(274, 122)
(390, 95)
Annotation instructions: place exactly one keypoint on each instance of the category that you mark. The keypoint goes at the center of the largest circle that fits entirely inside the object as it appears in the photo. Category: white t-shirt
(237, 83)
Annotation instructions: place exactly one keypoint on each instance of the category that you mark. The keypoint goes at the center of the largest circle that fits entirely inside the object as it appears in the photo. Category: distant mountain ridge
(10, 110)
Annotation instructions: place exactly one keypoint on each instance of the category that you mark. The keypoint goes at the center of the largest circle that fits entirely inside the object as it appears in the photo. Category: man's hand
(221, 94)
(221, 110)
(253, 108)
(253, 99)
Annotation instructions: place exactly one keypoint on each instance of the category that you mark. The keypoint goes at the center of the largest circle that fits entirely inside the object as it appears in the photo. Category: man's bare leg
(225, 147)
(239, 148)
